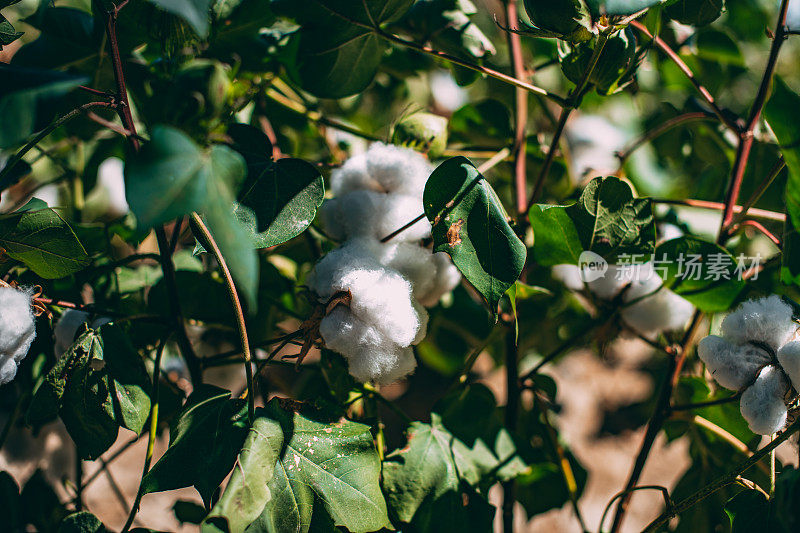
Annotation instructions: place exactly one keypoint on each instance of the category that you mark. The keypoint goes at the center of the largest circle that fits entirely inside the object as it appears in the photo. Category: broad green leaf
(614, 69)
(283, 194)
(203, 442)
(98, 386)
(748, 511)
(449, 27)
(470, 224)
(339, 51)
(247, 491)
(81, 522)
(423, 482)
(172, 177)
(702, 272)
(695, 12)
(324, 468)
(565, 19)
(195, 12)
(606, 220)
(783, 115)
(7, 32)
(620, 7)
(22, 93)
(44, 242)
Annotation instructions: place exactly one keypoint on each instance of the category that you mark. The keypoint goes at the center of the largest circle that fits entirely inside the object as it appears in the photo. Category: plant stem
(16, 158)
(659, 130)
(762, 188)
(719, 206)
(664, 492)
(724, 116)
(124, 108)
(660, 415)
(521, 110)
(760, 227)
(207, 240)
(151, 438)
(510, 421)
(721, 482)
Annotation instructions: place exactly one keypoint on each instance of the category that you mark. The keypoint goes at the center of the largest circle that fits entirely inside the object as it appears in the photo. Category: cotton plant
(646, 305)
(387, 285)
(757, 354)
(17, 329)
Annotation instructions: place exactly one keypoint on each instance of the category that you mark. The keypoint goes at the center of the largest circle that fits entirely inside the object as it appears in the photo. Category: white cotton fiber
(109, 191)
(17, 327)
(383, 365)
(663, 311)
(762, 403)
(8, 369)
(383, 168)
(793, 15)
(375, 215)
(569, 275)
(732, 366)
(399, 170)
(412, 261)
(609, 285)
(767, 320)
(593, 143)
(446, 279)
(789, 358)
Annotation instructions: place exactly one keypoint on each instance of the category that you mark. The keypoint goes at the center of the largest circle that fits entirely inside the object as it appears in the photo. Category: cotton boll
(8, 369)
(789, 358)
(413, 262)
(66, 328)
(17, 326)
(446, 279)
(663, 311)
(767, 320)
(375, 215)
(569, 275)
(353, 176)
(397, 169)
(447, 95)
(732, 366)
(347, 334)
(593, 143)
(382, 365)
(612, 282)
(762, 403)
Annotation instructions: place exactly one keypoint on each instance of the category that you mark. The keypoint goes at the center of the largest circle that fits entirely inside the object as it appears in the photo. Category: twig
(762, 188)
(722, 115)
(664, 492)
(718, 206)
(760, 227)
(151, 438)
(700, 405)
(207, 240)
(656, 132)
(116, 128)
(520, 109)
(721, 482)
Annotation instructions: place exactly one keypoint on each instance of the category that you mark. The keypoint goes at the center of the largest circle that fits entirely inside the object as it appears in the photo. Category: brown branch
(656, 132)
(521, 111)
(762, 188)
(664, 47)
(719, 206)
(760, 227)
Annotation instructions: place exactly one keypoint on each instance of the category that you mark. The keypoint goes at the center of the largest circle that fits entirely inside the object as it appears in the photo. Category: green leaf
(448, 25)
(203, 442)
(470, 224)
(172, 177)
(781, 112)
(24, 91)
(44, 242)
(606, 220)
(81, 522)
(339, 51)
(99, 385)
(324, 469)
(283, 194)
(614, 69)
(620, 7)
(423, 482)
(748, 511)
(195, 12)
(7, 32)
(247, 492)
(702, 272)
(565, 19)
(487, 122)
(695, 12)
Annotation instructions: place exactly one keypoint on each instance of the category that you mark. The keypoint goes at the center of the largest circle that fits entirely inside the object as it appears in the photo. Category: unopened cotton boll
(733, 366)
(762, 403)
(17, 330)
(767, 320)
(375, 215)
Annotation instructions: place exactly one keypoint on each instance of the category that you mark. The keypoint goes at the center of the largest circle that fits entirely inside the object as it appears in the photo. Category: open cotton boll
(767, 320)
(8, 369)
(398, 169)
(375, 215)
(353, 176)
(609, 285)
(789, 359)
(569, 275)
(762, 403)
(447, 94)
(663, 311)
(370, 355)
(732, 366)
(17, 326)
